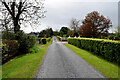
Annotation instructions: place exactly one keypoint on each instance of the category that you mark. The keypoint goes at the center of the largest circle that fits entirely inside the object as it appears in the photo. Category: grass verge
(24, 66)
(108, 69)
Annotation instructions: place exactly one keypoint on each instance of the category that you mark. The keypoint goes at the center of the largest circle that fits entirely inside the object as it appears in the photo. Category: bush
(8, 35)
(40, 41)
(43, 41)
(111, 37)
(48, 39)
(34, 49)
(109, 50)
(9, 50)
(27, 42)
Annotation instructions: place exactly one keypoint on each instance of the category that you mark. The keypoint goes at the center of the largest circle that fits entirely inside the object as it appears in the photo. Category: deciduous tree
(95, 24)
(19, 12)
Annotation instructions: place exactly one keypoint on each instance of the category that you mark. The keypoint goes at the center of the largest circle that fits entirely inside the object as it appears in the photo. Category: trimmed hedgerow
(109, 50)
(44, 41)
(9, 50)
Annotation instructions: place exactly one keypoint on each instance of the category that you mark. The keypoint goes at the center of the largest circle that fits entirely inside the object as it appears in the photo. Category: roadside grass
(108, 69)
(25, 66)
(0, 72)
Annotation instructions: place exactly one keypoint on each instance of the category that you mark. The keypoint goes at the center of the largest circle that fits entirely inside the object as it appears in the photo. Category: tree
(46, 33)
(56, 33)
(17, 12)
(64, 31)
(85, 30)
(74, 25)
(49, 32)
(117, 31)
(95, 24)
(42, 33)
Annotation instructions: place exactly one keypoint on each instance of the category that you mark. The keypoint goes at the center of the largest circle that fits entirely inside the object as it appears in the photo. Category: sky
(60, 12)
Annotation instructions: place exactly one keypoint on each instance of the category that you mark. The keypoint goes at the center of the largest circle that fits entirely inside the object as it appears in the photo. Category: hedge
(109, 50)
(8, 35)
(9, 50)
(26, 42)
(44, 41)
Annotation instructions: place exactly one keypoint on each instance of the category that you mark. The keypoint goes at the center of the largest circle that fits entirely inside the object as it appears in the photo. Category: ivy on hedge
(109, 50)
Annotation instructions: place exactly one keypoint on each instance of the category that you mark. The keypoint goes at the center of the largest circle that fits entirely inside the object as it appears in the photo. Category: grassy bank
(108, 69)
(24, 66)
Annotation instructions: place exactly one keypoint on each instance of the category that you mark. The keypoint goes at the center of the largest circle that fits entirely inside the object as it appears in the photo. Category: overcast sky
(60, 12)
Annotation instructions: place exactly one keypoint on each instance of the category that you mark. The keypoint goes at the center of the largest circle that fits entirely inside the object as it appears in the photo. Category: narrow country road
(61, 62)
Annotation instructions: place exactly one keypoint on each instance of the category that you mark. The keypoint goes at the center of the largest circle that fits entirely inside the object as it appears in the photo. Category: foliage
(46, 33)
(117, 31)
(9, 50)
(109, 50)
(58, 38)
(71, 33)
(42, 33)
(26, 41)
(24, 66)
(17, 12)
(108, 69)
(55, 33)
(48, 39)
(74, 24)
(8, 35)
(44, 41)
(64, 31)
(111, 37)
(94, 25)
(49, 32)
(34, 49)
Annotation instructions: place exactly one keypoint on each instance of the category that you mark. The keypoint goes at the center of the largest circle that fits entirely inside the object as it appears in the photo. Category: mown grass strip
(108, 69)
(24, 66)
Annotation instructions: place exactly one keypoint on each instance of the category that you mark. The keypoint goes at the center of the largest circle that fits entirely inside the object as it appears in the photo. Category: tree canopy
(20, 12)
(94, 25)
(64, 31)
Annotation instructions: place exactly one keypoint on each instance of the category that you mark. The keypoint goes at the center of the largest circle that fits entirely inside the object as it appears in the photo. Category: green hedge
(9, 50)
(109, 50)
(43, 41)
(26, 42)
(8, 35)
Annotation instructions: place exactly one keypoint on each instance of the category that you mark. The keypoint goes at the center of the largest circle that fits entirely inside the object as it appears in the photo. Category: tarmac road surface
(61, 62)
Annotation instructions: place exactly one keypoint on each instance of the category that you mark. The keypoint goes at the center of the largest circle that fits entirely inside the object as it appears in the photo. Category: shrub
(8, 35)
(27, 42)
(9, 50)
(39, 39)
(43, 41)
(109, 50)
(111, 37)
(48, 39)
(34, 49)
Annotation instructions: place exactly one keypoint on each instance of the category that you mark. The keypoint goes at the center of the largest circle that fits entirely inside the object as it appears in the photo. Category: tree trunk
(16, 26)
